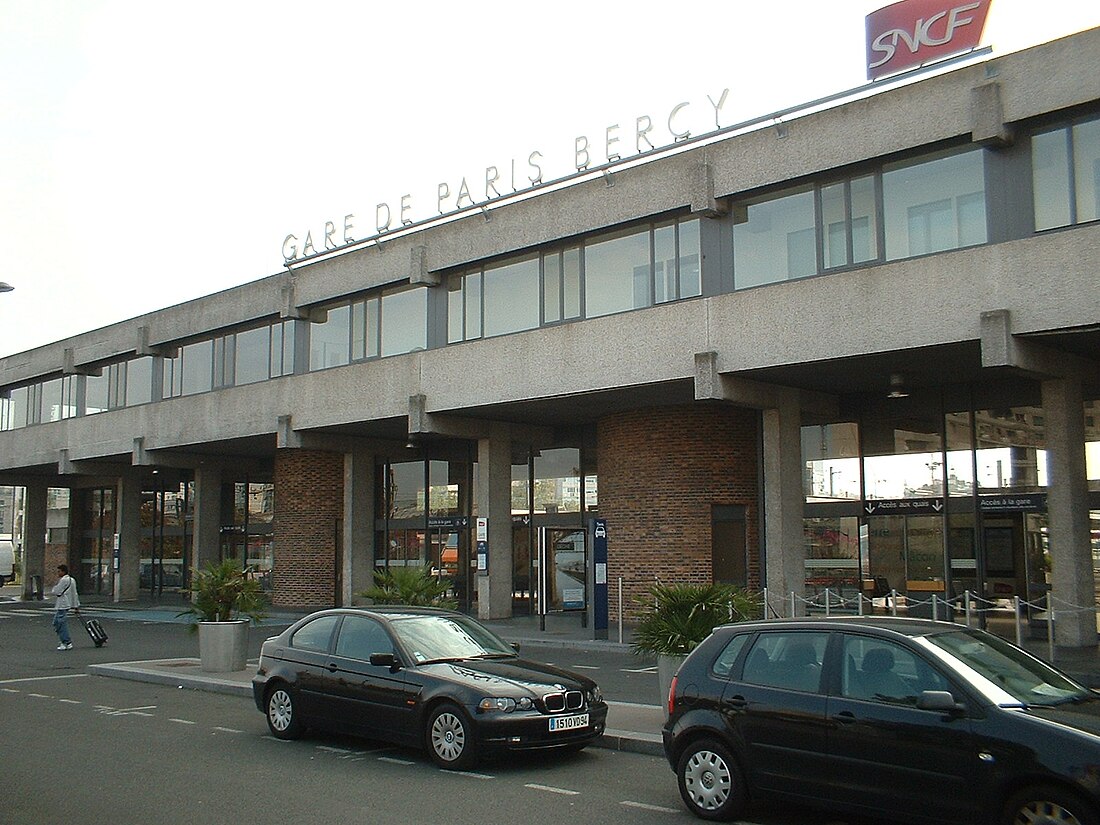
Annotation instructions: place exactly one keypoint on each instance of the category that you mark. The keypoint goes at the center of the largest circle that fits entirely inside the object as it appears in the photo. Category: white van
(7, 561)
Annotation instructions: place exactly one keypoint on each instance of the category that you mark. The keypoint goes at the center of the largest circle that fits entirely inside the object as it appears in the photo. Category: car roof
(895, 624)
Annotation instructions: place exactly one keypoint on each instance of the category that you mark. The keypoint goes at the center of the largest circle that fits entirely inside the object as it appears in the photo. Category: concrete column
(128, 529)
(358, 540)
(34, 538)
(784, 545)
(494, 468)
(206, 539)
(1072, 584)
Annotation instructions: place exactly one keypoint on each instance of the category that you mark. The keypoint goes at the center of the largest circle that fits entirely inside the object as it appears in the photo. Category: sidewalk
(630, 727)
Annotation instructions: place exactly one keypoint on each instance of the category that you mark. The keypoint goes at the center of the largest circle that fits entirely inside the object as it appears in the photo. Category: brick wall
(309, 504)
(661, 471)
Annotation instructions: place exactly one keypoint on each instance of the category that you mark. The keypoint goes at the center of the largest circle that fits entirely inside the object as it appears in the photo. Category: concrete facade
(736, 372)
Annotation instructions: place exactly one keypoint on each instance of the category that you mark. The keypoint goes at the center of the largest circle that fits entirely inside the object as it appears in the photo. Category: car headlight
(504, 704)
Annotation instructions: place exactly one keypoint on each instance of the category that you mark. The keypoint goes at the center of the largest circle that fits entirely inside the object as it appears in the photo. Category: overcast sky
(153, 153)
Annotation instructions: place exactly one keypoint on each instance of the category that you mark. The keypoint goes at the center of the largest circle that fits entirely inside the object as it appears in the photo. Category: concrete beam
(85, 467)
(703, 201)
(286, 437)
(423, 423)
(1001, 348)
(987, 115)
(419, 274)
(142, 456)
(712, 385)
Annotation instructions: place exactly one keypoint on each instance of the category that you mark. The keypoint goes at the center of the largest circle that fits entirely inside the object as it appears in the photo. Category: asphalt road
(98, 751)
(77, 749)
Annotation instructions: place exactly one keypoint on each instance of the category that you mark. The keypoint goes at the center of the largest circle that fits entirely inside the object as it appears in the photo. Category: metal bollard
(827, 605)
(894, 601)
(966, 596)
(1016, 615)
(935, 609)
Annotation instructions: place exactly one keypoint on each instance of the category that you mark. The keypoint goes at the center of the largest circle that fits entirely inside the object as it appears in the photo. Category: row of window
(920, 206)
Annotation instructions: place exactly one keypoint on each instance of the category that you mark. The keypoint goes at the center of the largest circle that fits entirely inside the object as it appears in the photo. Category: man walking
(65, 591)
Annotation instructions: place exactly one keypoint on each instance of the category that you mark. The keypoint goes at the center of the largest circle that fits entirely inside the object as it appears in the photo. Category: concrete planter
(667, 665)
(223, 646)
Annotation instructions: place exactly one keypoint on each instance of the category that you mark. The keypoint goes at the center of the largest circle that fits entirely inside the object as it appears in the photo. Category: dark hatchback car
(423, 678)
(912, 720)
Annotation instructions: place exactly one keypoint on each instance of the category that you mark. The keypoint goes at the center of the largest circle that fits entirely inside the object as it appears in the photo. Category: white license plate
(560, 723)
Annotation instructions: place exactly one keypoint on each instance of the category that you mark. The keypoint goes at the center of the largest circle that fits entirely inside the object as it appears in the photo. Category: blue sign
(599, 583)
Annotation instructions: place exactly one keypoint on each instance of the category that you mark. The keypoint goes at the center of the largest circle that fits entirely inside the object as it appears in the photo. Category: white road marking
(40, 695)
(395, 761)
(109, 711)
(658, 808)
(183, 721)
(70, 701)
(551, 789)
(584, 667)
(9, 690)
(470, 774)
(42, 678)
(639, 670)
(228, 730)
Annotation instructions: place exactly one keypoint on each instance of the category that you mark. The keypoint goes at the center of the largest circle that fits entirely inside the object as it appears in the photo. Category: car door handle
(737, 701)
(846, 717)
(331, 667)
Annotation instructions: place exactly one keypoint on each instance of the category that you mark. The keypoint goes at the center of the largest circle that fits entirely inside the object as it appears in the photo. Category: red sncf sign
(913, 32)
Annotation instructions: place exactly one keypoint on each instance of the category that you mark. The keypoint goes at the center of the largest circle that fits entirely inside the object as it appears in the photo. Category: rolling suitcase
(95, 630)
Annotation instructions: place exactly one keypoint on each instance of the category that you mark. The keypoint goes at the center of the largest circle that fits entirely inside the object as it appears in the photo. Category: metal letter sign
(914, 32)
(598, 579)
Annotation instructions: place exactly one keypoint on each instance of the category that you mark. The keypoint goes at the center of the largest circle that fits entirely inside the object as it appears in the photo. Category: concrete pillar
(1072, 580)
(494, 490)
(207, 536)
(128, 530)
(784, 545)
(358, 542)
(34, 539)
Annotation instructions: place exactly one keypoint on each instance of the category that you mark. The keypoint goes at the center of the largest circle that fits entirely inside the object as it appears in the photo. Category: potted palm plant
(410, 586)
(678, 617)
(224, 598)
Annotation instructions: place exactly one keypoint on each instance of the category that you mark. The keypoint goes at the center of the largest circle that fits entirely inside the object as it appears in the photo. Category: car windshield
(448, 638)
(1024, 678)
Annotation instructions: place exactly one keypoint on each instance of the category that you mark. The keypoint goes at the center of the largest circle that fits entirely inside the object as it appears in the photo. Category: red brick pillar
(309, 501)
(661, 471)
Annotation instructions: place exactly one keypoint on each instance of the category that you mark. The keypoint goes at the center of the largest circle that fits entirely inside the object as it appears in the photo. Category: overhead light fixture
(897, 386)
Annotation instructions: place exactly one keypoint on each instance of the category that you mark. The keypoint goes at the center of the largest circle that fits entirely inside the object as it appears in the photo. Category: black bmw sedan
(912, 720)
(423, 678)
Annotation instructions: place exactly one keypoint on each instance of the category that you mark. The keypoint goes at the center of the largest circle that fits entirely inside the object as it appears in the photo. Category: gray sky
(154, 153)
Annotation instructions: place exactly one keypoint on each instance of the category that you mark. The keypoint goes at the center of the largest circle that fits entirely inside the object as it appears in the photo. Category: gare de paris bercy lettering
(899, 36)
(494, 186)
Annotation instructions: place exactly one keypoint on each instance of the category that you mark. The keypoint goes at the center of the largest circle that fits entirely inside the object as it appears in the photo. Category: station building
(855, 348)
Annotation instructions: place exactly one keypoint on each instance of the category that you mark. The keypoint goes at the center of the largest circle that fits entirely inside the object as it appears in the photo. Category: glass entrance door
(449, 551)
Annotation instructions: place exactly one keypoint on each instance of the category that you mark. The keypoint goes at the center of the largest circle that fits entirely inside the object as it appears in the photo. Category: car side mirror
(940, 700)
(385, 660)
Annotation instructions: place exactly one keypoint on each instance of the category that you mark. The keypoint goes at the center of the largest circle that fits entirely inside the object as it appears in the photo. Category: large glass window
(774, 239)
(329, 340)
(617, 272)
(404, 321)
(252, 356)
(139, 381)
(1066, 175)
(558, 481)
(1011, 450)
(198, 365)
(95, 392)
(830, 455)
(933, 204)
(511, 297)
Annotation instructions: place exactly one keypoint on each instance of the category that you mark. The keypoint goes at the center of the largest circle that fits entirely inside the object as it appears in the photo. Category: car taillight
(672, 695)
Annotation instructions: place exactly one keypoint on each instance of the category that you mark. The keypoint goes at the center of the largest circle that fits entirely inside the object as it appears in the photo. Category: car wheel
(710, 781)
(282, 713)
(450, 738)
(1048, 805)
